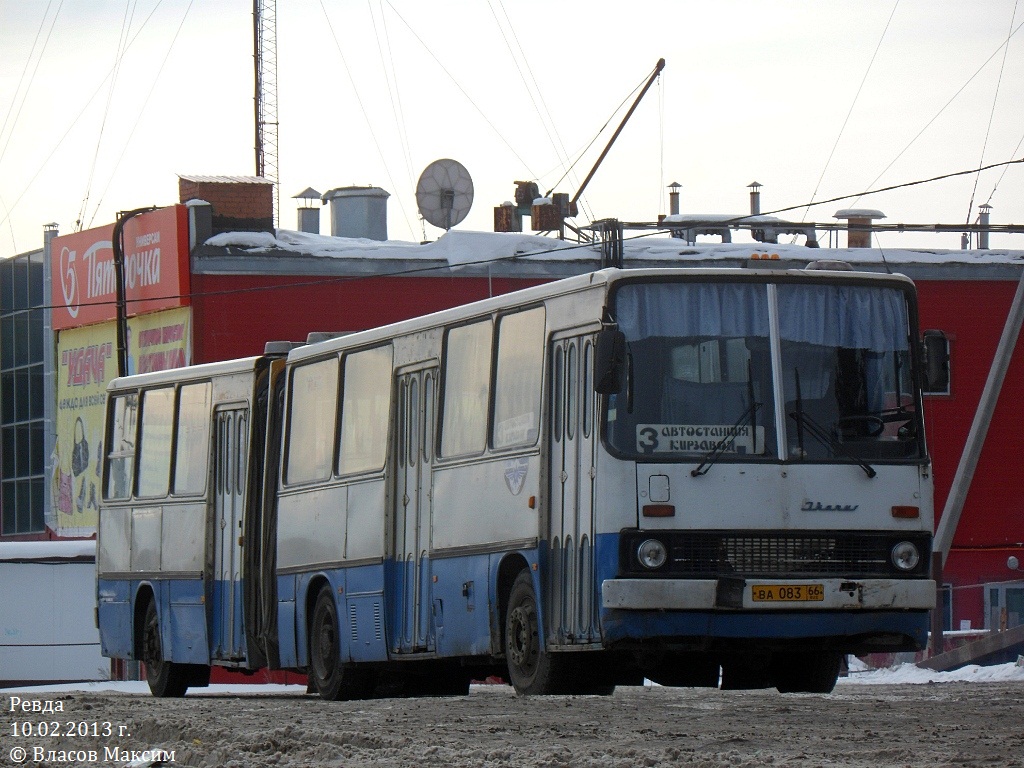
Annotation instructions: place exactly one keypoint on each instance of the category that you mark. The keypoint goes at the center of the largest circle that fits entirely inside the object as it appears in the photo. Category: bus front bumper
(767, 594)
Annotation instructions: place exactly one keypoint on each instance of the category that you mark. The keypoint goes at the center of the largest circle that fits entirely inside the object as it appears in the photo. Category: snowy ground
(898, 717)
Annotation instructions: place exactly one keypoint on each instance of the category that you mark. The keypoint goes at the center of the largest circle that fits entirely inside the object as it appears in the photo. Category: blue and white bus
(703, 477)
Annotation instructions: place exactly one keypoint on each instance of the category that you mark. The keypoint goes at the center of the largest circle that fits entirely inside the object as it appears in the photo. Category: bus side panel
(485, 503)
(311, 527)
(459, 609)
(187, 620)
(361, 613)
(115, 618)
(286, 621)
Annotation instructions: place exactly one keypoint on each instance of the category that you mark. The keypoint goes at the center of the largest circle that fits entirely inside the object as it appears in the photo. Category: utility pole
(264, 45)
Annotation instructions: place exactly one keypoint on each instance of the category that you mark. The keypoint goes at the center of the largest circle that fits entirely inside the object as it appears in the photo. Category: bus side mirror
(935, 348)
(609, 361)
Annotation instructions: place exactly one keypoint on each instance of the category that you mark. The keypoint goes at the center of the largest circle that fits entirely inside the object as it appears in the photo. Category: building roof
(224, 179)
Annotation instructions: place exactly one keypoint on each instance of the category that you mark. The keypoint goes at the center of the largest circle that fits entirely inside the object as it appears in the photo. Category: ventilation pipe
(983, 213)
(309, 215)
(755, 198)
(673, 198)
(858, 226)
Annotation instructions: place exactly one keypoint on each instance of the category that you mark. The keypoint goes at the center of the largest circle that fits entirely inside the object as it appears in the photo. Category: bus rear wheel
(531, 670)
(332, 679)
(166, 679)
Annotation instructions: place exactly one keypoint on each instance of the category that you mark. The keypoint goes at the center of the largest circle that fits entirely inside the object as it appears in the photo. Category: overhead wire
(142, 110)
(73, 123)
(945, 106)
(391, 78)
(853, 104)
(560, 248)
(35, 69)
(462, 90)
(547, 120)
(129, 14)
(992, 112)
(366, 115)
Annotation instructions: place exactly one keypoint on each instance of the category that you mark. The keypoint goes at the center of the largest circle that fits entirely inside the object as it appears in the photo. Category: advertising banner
(86, 363)
(156, 269)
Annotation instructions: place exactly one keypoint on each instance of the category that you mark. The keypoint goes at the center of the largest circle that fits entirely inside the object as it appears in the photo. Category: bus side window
(466, 385)
(155, 442)
(121, 459)
(366, 406)
(192, 453)
(311, 418)
(517, 382)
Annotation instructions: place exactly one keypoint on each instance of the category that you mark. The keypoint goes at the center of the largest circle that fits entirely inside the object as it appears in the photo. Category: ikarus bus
(703, 477)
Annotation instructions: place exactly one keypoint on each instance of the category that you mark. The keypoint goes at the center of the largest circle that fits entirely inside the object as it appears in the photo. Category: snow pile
(911, 674)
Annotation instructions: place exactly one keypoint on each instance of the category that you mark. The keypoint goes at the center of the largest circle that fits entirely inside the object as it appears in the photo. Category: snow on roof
(461, 247)
(224, 179)
(47, 551)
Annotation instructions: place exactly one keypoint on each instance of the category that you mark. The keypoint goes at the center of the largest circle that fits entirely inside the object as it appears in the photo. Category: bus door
(572, 606)
(232, 438)
(412, 628)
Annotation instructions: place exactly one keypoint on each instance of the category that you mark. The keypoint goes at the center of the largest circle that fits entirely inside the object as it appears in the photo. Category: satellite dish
(444, 193)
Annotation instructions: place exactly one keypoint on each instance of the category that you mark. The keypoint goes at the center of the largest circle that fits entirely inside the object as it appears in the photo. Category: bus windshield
(700, 375)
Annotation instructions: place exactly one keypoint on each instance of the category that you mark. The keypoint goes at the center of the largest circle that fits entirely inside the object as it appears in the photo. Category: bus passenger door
(571, 606)
(412, 627)
(232, 439)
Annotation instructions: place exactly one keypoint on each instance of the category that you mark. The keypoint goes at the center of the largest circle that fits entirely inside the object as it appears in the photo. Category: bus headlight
(905, 556)
(652, 554)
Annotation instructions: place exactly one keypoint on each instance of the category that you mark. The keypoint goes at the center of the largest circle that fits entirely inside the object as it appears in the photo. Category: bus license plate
(787, 593)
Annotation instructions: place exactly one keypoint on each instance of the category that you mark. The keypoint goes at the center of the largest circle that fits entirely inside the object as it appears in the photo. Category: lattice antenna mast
(264, 30)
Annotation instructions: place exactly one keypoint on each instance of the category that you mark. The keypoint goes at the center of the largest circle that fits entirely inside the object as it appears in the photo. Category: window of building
(936, 363)
(22, 449)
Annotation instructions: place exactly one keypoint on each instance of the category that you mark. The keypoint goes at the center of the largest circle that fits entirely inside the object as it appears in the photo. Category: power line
(853, 104)
(562, 248)
(992, 113)
(944, 107)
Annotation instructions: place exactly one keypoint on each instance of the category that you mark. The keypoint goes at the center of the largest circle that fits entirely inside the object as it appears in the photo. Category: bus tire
(332, 679)
(806, 673)
(693, 670)
(166, 679)
(531, 670)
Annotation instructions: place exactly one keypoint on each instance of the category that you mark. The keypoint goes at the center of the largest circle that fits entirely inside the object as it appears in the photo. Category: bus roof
(582, 282)
(188, 373)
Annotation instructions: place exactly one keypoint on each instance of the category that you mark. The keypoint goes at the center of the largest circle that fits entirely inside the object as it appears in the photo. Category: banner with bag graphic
(86, 363)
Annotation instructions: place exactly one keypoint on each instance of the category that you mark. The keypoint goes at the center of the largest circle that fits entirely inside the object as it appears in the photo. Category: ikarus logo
(817, 506)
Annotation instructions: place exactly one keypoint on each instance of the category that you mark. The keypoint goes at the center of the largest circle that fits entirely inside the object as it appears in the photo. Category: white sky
(752, 90)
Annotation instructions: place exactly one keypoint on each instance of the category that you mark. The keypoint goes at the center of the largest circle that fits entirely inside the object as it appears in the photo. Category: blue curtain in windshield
(690, 309)
(852, 317)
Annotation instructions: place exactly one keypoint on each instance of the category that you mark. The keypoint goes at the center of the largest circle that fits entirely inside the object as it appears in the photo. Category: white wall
(47, 629)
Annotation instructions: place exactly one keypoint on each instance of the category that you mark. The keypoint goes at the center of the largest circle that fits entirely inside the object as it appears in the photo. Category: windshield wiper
(822, 435)
(708, 459)
(819, 433)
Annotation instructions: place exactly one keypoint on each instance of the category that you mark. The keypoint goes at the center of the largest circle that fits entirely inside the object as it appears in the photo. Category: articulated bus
(702, 477)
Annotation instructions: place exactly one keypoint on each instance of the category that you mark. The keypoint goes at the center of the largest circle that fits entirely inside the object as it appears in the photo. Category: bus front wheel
(531, 670)
(806, 673)
(332, 679)
(166, 679)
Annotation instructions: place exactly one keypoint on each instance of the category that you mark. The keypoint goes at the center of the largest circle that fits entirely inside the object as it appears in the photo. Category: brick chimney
(240, 203)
